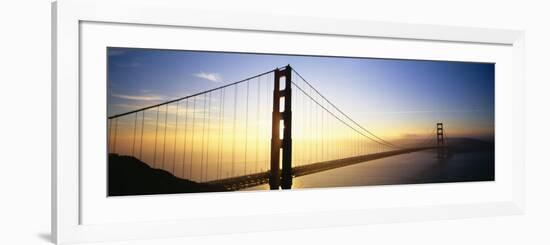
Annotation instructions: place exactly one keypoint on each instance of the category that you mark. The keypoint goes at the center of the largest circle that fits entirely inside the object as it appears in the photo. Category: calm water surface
(417, 167)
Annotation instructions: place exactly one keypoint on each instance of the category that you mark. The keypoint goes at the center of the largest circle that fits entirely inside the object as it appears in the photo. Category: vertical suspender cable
(311, 139)
(259, 82)
(164, 143)
(156, 135)
(184, 139)
(322, 134)
(175, 139)
(208, 134)
(304, 127)
(297, 129)
(141, 138)
(330, 139)
(234, 131)
(192, 139)
(317, 143)
(246, 126)
(220, 142)
(202, 137)
(134, 140)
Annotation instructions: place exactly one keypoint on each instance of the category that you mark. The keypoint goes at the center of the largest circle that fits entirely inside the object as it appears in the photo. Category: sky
(394, 98)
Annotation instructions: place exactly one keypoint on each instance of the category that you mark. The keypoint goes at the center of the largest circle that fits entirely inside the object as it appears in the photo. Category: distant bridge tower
(281, 178)
(441, 147)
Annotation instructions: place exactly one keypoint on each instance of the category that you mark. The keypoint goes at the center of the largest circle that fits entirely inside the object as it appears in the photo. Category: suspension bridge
(266, 129)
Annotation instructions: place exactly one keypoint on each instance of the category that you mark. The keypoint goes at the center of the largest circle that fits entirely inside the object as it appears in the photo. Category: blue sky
(384, 94)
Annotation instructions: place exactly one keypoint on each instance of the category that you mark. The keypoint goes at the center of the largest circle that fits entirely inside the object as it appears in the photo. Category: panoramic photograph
(184, 121)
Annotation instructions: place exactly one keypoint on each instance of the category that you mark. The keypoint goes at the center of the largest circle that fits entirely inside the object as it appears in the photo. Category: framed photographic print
(174, 128)
(170, 122)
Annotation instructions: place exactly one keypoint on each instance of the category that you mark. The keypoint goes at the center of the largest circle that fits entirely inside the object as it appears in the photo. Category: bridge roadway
(251, 180)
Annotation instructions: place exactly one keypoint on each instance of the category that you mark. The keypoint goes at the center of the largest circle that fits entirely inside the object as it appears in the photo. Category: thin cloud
(128, 106)
(139, 97)
(213, 77)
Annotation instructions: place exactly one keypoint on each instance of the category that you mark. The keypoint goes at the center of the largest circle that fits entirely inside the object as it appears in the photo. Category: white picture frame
(67, 18)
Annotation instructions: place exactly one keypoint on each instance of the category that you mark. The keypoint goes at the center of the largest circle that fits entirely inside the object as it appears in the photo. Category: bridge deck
(246, 181)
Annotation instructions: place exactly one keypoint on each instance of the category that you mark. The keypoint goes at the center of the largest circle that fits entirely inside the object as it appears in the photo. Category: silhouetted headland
(130, 176)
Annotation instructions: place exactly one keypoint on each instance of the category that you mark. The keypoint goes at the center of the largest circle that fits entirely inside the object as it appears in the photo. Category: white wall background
(25, 122)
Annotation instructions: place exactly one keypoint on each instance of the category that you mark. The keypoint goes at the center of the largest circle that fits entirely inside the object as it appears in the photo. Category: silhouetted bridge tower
(442, 151)
(244, 134)
(283, 145)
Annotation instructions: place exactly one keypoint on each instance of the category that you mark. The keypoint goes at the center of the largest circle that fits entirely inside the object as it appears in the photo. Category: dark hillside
(130, 176)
